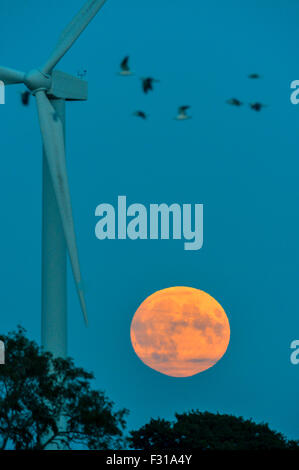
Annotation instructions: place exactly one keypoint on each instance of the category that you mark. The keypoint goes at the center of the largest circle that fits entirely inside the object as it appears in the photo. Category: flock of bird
(147, 84)
(257, 106)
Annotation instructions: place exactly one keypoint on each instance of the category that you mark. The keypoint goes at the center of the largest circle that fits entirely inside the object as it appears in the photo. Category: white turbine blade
(53, 140)
(11, 76)
(72, 32)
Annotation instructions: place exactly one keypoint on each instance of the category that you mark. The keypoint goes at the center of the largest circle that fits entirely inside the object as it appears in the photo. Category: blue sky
(243, 166)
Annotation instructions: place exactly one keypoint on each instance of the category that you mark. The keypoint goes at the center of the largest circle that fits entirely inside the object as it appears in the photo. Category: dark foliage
(207, 431)
(50, 401)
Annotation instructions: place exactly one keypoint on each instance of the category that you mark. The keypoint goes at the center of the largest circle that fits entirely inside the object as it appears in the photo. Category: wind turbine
(52, 89)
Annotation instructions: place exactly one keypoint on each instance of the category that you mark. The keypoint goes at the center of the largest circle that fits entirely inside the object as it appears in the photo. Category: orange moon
(180, 331)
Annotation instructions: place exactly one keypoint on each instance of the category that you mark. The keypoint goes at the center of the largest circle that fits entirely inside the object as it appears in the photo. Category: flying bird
(234, 102)
(140, 114)
(147, 84)
(182, 113)
(254, 76)
(25, 98)
(257, 106)
(124, 67)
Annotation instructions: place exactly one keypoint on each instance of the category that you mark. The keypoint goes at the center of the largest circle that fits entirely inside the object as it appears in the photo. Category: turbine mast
(54, 271)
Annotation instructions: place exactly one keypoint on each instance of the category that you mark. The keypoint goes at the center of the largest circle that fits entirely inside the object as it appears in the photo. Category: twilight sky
(243, 166)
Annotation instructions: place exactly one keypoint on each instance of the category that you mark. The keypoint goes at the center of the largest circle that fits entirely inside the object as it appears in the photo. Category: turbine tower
(52, 89)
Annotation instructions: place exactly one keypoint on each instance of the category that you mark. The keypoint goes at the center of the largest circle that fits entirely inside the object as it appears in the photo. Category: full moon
(180, 331)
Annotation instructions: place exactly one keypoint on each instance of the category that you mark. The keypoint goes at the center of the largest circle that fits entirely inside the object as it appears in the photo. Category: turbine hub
(36, 80)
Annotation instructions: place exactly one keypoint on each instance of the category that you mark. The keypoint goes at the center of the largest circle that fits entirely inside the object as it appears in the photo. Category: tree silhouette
(38, 391)
(207, 431)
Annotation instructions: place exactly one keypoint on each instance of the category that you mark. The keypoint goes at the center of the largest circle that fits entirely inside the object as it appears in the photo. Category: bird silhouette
(257, 106)
(124, 67)
(140, 114)
(182, 113)
(254, 76)
(25, 98)
(147, 84)
(234, 102)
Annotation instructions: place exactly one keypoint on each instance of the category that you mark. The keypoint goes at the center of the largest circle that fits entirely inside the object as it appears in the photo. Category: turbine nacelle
(57, 85)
